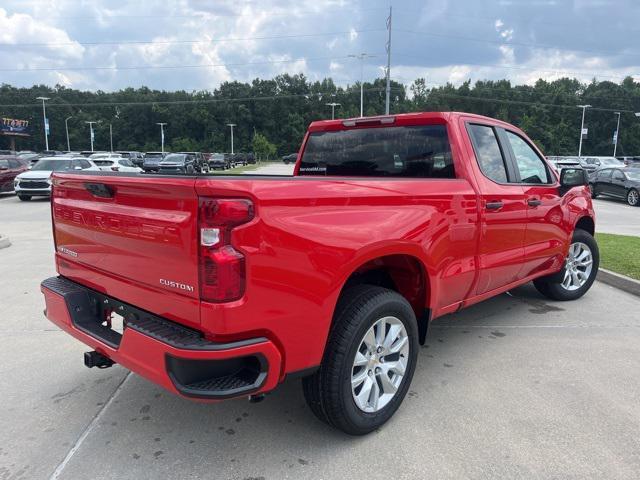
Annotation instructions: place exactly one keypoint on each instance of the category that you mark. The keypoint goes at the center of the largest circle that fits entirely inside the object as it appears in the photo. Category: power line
(171, 42)
(169, 67)
(517, 44)
(515, 67)
(309, 95)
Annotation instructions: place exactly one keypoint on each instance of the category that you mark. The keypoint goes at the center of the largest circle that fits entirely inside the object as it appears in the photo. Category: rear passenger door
(617, 187)
(545, 241)
(503, 213)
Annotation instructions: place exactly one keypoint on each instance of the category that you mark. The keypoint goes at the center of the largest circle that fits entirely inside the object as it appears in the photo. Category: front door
(545, 244)
(503, 213)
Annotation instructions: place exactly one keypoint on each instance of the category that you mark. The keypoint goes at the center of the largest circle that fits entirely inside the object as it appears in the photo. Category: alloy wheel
(379, 364)
(578, 266)
(632, 197)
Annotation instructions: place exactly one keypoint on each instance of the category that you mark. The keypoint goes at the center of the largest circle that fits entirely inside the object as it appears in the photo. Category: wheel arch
(403, 273)
(587, 224)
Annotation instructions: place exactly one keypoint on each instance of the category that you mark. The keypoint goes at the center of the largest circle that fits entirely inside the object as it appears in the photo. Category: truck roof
(398, 119)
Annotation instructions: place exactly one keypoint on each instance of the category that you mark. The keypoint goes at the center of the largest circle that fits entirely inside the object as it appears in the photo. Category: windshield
(52, 165)
(421, 151)
(610, 162)
(174, 157)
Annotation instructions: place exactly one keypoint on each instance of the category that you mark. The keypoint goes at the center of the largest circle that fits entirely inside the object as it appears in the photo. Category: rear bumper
(177, 358)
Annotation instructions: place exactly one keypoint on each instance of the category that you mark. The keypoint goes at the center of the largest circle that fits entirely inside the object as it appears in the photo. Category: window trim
(508, 167)
(512, 159)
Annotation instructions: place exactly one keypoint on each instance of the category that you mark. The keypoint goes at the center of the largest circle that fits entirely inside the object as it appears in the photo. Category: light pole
(111, 137)
(46, 122)
(361, 57)
(231, 125)
(66, 129)
(584, 108)
(91, 130)
(615, 138)
(162, 124)
(333, 106)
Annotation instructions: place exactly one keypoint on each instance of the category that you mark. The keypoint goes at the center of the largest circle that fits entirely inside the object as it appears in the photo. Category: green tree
(262, 148)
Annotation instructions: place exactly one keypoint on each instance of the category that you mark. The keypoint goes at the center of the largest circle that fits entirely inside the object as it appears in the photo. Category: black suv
(179, 163)
(137, 158)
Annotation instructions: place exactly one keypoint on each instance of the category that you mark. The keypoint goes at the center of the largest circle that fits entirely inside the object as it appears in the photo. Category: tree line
(280, 109)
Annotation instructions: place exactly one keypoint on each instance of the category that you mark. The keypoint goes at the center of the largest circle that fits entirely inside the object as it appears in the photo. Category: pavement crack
(94, 421)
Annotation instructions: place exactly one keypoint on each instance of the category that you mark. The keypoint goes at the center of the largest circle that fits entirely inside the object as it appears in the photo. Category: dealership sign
(13, 126)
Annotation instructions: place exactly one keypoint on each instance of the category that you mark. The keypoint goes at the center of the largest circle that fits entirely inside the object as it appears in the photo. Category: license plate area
(100, 316)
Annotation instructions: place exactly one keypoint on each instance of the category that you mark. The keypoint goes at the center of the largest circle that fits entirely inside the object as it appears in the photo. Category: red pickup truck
(219, 286)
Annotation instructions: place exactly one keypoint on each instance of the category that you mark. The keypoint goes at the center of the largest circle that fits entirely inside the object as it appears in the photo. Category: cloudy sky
(196, 44)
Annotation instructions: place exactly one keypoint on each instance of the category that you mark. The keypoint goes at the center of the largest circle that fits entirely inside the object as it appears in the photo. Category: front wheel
(633, 198)
(579, 272)
(368, 363)
(24, 198)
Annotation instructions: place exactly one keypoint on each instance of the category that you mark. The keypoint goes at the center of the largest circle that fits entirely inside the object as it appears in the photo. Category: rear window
(418, 152)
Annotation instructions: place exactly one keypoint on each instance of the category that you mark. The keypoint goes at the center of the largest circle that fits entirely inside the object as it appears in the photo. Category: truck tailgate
(131, 231)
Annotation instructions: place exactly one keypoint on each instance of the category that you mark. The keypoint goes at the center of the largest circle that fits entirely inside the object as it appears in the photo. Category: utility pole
(231, 125)
(615, 138)
(584, 108)
(161, 135)
(388, 90)
(361, 57)
(66, 129)
(111, 137)
(333, 106)
(91, 130)
(46, 122)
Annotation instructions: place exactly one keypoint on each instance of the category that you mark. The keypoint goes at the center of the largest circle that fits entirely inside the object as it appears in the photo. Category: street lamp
(333, 106)
(615, 138)
(361, 57)
(231, 125)
(66, 129)
(162, 124)
(91, 130)
(46, 122)
(111, 137)
(584, 108)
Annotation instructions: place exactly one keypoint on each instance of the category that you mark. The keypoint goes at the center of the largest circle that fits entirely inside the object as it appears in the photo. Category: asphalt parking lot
(516, 387)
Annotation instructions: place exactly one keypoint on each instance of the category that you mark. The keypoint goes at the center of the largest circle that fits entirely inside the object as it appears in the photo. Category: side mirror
(572, 177)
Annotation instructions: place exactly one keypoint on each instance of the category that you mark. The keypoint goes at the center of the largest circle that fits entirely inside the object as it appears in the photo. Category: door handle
(494, 205)
(534, 202)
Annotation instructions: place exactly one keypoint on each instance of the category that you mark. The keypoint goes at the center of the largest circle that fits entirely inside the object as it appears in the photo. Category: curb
(622, 282)
(4, 241)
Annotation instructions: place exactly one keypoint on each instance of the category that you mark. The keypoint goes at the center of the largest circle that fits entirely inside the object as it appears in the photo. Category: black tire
(633, 198)
(551, 286)
(328, 392)
(190, 170)
(24, 198)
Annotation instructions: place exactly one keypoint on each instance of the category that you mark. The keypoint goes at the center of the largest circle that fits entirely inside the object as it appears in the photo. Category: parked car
(630, 161)
(30, 158)
(218, 161)
(116, 164)
(152, 160)
(291, 158)
(51, 153)
(88, 153)
(199, 160)
(229, 287)
(251, 158)
(560, 163)
(178, 163)
(621, 183)
(7, 152)
(137, 158)
(10, 168)
(37, 181)
(590, 164)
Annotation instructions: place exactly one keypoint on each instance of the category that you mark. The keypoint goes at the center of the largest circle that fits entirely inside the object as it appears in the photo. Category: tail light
(222, 268)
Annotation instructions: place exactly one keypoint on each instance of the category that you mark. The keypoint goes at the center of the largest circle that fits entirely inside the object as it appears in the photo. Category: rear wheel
(24, 198)
(368, 363)
(579, 272)
(633, 198)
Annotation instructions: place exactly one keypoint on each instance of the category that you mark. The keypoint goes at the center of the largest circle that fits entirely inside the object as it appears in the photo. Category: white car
(37, 181)
(114, 162)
